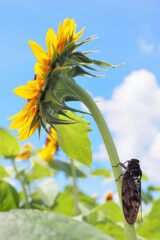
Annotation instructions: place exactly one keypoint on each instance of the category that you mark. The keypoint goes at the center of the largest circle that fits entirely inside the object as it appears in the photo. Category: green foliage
(19, 224)
(110, 210)
(87, 201)
(105, 218)
(64, 202)
(101, 172)
(153, 188)
(9, 198)
(146, 197)
(150, 227)
(74, 139)
(39, 170)
(9, 146)
(66, 168)
(144, 177)
(3, 172)
(112, 229)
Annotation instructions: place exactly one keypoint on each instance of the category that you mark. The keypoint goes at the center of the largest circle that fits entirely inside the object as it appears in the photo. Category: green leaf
(9, 146)
(146, 197)
(34, 224)
(3, 172)
(66, 168)
(48, 190)
(111, 229)
(40, 169)
(37, 202)
(87, 201)
(152, 188)
(105, 218)
(108, 211)
(101, 172)
(144, 177)
(9, 197)
(150, 226)
(64, 202)
(74, 140)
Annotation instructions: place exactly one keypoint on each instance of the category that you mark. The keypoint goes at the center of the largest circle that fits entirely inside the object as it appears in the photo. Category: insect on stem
(131, 189)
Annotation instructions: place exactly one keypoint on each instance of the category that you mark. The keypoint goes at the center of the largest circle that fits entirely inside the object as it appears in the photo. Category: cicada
(131, 189)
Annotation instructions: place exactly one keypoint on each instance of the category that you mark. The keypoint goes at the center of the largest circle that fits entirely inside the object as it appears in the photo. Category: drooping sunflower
(28, 119)
(47, 93)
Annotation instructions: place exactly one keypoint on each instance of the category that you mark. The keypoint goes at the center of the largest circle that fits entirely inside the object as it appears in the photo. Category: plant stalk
(22, 183)
(75, 188)
(108, 141)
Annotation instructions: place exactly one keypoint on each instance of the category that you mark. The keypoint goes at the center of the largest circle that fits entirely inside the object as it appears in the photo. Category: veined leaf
(74, 140)
(19, 224)
(9, 146)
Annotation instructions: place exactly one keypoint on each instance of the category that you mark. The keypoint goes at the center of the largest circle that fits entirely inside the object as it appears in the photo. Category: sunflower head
(48, 93)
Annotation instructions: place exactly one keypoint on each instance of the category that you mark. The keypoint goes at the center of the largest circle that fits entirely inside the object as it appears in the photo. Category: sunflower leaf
(9, 198)
(19, 224)
(9, 146)
(74, 139)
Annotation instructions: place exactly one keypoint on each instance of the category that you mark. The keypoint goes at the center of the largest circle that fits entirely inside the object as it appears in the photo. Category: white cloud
(133, 115)
(146, 47)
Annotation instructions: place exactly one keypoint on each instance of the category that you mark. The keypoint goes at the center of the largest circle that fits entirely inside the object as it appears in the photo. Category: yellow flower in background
(29, 118)
(25, 152)
(51, 146)
(109, 196)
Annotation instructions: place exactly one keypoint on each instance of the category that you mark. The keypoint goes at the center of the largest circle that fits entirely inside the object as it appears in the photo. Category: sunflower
(29, 118)
(55, 69)
(50, 147)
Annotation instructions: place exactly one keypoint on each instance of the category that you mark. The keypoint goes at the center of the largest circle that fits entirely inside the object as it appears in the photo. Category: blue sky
(128, 32)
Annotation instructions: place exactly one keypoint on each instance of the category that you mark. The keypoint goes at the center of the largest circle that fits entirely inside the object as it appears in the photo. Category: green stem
(22, 181)
(75, 188)
(108, 141)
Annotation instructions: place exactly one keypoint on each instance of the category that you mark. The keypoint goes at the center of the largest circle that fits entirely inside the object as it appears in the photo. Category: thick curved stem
(108, 141)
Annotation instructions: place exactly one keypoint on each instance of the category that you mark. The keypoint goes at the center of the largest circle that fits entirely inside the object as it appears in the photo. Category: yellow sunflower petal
(29, 91)
(47, 151)
(78, 35)
(39, 52)
(26, 132)
(53, 136)
(41, 69)
(70, 26)
(51, 42)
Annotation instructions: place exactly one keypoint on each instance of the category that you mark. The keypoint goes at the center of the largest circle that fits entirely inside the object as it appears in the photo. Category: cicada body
(131, 190)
